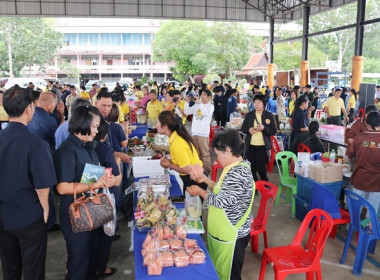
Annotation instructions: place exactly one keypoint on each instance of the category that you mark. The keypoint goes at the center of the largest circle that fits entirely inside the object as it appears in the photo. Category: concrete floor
(281, 229)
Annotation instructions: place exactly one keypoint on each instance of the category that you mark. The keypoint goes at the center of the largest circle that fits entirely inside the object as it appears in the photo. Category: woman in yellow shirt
(351, 105)
(182, 148)
(293, 97)
(3, 114)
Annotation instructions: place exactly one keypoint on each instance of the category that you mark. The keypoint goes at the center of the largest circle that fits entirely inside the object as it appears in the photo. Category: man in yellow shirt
(3, 114)
(154, 107)
(84, 94)
(334, 106)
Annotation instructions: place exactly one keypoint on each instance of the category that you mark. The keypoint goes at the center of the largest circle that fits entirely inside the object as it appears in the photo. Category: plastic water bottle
(332, 156)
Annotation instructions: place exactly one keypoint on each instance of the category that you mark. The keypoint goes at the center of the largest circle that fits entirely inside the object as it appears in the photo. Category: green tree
(287, 56)
(235, 45)
(70, 70)
(189, 44)
(33, 42)
(339, 45)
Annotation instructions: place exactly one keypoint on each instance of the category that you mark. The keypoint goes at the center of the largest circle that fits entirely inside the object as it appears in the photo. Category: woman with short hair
(230, 204)
(69, 161)
(259, 126)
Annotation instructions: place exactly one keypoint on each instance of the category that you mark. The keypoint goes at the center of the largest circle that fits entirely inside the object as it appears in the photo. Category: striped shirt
(235, 196)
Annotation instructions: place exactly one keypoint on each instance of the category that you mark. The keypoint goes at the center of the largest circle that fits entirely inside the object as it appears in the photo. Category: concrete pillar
(357, 71)
(304, 70)
(270, 74)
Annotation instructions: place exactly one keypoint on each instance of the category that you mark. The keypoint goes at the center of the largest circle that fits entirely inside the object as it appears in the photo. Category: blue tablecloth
(199, 271)
(140, 131)
(191, 272)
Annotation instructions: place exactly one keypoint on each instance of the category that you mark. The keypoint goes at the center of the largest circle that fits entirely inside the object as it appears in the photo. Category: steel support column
(270, 66)
(271, 39)
(358, 59)
(359, 27)
(305, 34)
(304, 65)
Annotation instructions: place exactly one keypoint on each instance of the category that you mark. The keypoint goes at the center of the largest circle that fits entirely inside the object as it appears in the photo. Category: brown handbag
(88, 213)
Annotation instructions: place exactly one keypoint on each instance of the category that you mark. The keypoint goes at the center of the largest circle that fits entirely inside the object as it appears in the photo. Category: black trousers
(238, 260)
(104, 252)
(351, 115)
(23, 251)
(82, 247)
(257, 156)
(334, 120)
(218, 117)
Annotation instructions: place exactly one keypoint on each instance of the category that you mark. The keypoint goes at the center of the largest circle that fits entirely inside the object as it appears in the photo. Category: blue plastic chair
(316, 156)
(323, 198)
(355, 205)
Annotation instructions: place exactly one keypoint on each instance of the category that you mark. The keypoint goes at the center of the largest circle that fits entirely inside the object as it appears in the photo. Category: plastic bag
(193, 206)
(110, 227)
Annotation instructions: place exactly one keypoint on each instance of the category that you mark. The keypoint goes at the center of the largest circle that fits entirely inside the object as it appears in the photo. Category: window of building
(70, 39)
(110, 39)
(88, 39)
(90, 59)
(147, 39)
(69, 58)
(133, 39)
(133, 59)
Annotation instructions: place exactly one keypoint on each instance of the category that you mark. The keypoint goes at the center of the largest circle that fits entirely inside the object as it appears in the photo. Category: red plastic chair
(211, 136)
(360, 114)
(268, 193)
(296, 258)
(274, 150)
(214, 170)
(302, 148)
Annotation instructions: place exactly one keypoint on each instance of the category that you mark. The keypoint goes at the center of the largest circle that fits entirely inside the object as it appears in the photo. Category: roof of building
(255, 65)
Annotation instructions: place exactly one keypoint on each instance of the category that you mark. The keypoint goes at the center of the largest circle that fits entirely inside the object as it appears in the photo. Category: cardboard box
(145, 166)
(327, 172)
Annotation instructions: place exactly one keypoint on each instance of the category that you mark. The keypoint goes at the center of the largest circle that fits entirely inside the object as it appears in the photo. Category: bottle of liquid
(332, 156)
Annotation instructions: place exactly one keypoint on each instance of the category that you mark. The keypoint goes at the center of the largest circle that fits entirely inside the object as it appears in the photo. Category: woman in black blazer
(258, 126)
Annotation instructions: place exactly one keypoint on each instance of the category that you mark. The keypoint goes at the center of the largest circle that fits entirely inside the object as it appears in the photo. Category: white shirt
(280, 105)
(202, 115)
(377, 94)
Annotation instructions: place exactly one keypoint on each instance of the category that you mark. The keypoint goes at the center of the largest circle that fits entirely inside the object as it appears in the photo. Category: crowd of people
(55, 131)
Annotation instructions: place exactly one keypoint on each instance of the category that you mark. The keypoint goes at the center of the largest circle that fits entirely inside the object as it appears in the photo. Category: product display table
(199, 271)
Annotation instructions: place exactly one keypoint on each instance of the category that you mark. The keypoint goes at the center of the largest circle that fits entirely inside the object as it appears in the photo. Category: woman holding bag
(230, 204)
(69, 162)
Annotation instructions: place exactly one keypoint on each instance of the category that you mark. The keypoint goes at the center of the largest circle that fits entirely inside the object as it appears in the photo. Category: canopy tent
(214, 10)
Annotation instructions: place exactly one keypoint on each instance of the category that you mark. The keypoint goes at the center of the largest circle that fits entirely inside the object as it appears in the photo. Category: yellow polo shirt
(154, 109)
(125, 108)
(139, 94)
(351, 102)
(181, 105)
(180, 152)
(257, 139)
(121, 114)
(3, 114)
(84, 95)
(291, 107)
(334, 105)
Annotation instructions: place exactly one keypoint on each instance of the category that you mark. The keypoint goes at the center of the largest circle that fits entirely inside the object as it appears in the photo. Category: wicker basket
(160, 147)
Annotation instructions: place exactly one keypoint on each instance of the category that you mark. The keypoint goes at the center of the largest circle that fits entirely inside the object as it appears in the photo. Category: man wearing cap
(334, 106)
